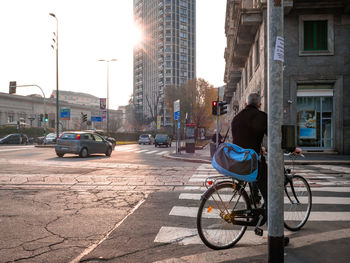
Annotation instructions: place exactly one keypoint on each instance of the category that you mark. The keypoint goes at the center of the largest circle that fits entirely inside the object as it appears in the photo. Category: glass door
(315, 121)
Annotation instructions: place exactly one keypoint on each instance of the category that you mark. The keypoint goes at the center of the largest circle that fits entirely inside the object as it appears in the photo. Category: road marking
(163, 152)
(314, 216)
(331, 189)
(239, 252)
(141, 151)
(315, 199)
(189, 236)
(151, 152)
(16, 149)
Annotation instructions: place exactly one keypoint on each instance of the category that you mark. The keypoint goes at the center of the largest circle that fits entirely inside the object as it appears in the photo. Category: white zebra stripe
(315, 200)
(314, 216)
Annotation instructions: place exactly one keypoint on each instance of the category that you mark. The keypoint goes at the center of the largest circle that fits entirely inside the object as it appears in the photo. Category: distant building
(167, 55)
(77, 97)
(28, 109)
(316, 76)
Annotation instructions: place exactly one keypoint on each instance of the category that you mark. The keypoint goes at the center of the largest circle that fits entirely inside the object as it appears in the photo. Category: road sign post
(177, 118)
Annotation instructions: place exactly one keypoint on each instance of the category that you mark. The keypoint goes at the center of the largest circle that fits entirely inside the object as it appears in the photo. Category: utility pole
(275, 116)
(57, 91)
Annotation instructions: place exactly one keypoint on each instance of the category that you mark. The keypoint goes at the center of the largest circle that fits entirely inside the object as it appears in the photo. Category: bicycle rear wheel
(297, 206)
(214, 224)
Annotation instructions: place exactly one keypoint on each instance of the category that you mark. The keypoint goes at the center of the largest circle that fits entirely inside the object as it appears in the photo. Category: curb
(45, 146)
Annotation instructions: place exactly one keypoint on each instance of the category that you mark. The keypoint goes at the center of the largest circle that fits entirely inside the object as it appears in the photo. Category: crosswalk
(331, 202)
(142, 150)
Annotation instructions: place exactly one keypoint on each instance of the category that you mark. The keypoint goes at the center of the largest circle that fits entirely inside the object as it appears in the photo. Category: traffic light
(223, 107)
(214, 107)
(46, 117)
(83, 117)
(41, 117)
(12, 88)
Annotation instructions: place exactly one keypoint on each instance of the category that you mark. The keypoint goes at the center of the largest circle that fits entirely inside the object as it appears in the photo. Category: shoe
(285, 241)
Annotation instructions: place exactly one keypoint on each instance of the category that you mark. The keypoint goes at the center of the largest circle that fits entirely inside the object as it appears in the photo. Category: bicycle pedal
(258, 231)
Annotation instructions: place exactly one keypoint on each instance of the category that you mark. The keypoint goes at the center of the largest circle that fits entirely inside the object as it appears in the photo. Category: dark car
(16, 138)
(50, 138)
(82, 143)
(162, 139)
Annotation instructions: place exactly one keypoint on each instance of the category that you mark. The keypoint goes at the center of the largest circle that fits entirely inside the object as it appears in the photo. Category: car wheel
(60, 154)
(109, 151)
(83, 153)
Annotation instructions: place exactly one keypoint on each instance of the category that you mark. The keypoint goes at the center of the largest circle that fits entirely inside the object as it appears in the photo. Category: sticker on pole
(279, 49)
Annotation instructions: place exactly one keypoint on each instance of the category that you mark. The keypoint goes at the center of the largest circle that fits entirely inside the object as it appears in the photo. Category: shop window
(316, 35)
(315, 116)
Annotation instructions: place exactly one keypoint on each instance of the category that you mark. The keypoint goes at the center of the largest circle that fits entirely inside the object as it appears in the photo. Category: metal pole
(275, 117)
(217, 121)
(57, 93)
(107, 97)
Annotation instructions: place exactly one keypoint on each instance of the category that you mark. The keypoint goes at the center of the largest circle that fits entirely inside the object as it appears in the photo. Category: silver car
(146, 139)
(82, 143)
(50, 138)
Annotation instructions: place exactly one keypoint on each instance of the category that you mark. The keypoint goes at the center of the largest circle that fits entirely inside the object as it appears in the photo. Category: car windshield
(50, 136)
(144, 136)
(161, 136)
(67, 136)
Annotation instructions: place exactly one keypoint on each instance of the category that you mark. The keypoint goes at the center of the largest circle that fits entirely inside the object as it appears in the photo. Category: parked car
(50, 138)
(162, 139)
(82, 143)
(146, 139)
(16, 138)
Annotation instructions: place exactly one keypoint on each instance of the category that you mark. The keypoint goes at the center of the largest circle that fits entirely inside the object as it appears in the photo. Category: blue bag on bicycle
(239, 163)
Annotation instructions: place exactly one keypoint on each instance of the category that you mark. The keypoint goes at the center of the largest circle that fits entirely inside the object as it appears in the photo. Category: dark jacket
(249, 127)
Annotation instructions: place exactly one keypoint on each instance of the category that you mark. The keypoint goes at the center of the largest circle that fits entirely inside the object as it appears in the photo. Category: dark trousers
(262, 179)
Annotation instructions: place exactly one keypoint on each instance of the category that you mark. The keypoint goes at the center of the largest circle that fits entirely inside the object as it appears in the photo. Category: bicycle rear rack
(212, 180)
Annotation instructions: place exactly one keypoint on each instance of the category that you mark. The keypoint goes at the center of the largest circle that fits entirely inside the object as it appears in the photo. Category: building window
(316, 35)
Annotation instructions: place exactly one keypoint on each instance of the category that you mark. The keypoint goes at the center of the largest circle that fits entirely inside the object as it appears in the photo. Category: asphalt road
(137, 206)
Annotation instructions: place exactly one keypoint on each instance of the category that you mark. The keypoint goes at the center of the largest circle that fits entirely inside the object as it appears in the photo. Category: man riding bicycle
(248, 129)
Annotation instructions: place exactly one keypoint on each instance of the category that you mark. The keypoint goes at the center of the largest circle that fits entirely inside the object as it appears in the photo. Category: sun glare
(136, 36)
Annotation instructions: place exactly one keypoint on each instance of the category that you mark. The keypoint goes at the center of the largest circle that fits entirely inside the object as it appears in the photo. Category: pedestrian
(213, 138)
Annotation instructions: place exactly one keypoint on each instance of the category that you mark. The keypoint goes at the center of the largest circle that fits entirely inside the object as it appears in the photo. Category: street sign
(103, 103)
(179, 125)
(104, 114)
(96, 119)
(177, 110)
(65, 114)
(159, 118)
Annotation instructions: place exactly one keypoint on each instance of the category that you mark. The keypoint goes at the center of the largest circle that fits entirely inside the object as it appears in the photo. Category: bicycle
(228, 207)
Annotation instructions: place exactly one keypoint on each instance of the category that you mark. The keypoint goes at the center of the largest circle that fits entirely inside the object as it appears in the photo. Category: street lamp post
(107, 61)
(57, 95)
(31, 85)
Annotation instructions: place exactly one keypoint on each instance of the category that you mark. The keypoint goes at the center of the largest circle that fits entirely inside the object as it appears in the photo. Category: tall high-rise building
(167, 54)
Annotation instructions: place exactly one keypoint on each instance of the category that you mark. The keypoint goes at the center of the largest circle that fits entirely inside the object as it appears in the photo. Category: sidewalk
(203, 156)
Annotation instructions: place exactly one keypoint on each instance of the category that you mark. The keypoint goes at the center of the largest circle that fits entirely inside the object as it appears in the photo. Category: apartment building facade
(167, 54)
(316, 70)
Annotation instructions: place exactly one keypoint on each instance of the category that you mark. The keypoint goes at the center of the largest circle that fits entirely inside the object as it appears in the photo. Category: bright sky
(90, 30)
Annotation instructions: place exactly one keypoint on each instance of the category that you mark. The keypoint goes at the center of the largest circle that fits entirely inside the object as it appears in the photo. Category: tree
(153, 106)
(195, 100)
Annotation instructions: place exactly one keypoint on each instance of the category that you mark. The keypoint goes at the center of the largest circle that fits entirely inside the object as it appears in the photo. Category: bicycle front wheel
(215, 215)
(297, 203)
